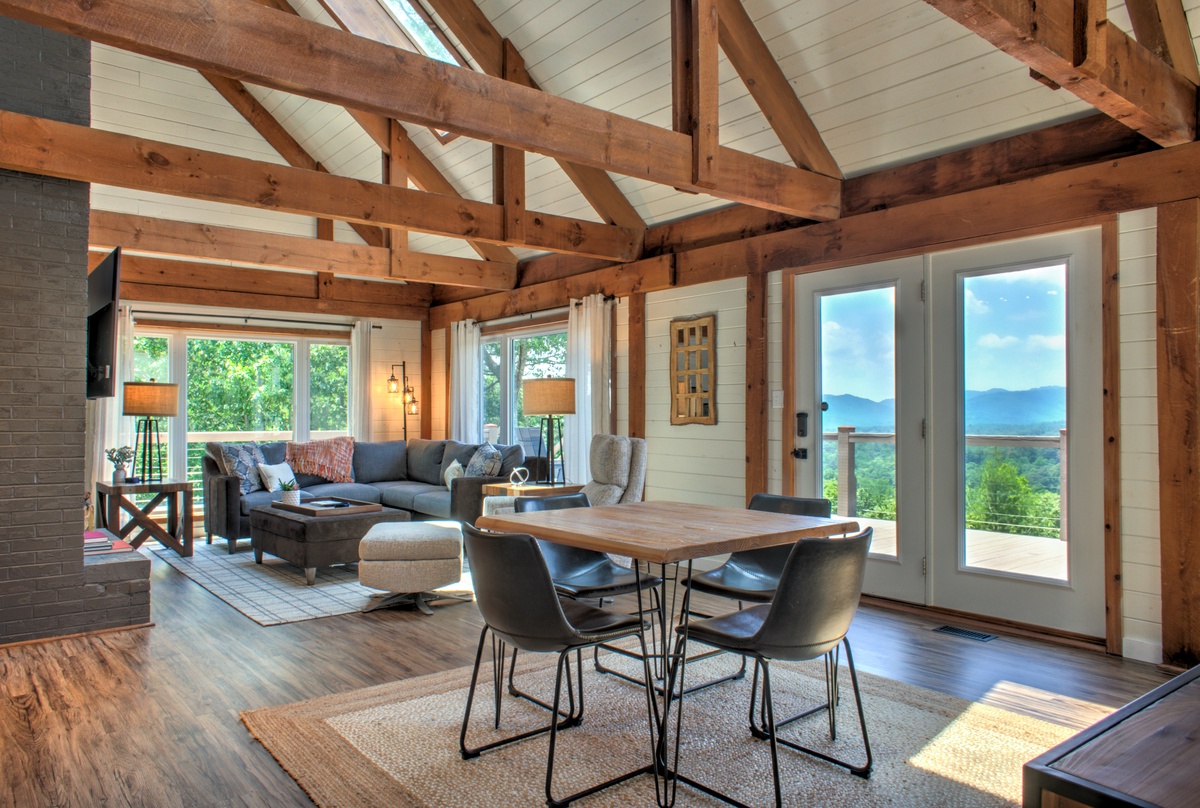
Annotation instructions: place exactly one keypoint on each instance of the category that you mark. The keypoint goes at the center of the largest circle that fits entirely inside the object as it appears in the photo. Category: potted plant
(291, 492)
(119, 457)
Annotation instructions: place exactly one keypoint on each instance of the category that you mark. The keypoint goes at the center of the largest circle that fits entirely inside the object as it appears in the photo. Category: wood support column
(1178, 293)
(508, 165)
(1111, 357)
(788, 374)
(397, 174)
(426, 409)
(637, 365)
(756, 383)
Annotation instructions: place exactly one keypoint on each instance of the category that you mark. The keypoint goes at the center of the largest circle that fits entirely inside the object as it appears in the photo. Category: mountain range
(995, 411)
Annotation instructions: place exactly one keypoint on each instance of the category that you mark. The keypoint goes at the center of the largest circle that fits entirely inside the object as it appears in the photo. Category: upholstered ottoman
(409, 560)
(314, 541)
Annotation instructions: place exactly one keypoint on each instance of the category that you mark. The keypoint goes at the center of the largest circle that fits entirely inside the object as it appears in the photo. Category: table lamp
(550, 398)
(149, 401)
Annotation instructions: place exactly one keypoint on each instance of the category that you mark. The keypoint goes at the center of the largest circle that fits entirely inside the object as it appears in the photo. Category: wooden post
(847, 482)
(637, 365)
(756, 384)
(1179, 428)
(1114, 630)
(397, 174)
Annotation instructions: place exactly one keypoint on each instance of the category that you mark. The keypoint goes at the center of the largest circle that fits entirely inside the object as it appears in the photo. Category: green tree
(329, 387)
(239, 385)
(537, 357)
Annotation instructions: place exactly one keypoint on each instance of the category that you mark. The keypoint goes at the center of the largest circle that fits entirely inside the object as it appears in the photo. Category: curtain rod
(242, 318)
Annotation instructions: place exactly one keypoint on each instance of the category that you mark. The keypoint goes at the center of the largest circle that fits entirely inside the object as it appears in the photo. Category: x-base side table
(112, 498)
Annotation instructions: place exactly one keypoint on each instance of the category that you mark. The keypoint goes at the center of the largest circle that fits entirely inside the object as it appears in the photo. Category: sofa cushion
(403, 494)
(434, 503)
(333, 458)
(485, 462)
(380, 461)
(609, 460)
(452, 473)
(261, 499)
(425, 460)
(241, 460)
(462, 452)
(274, 476)
(359, 491)
(274, 452)
(510, 458)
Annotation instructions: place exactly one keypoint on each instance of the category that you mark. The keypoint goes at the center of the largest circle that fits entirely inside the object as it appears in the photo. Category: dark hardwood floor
(149, 717)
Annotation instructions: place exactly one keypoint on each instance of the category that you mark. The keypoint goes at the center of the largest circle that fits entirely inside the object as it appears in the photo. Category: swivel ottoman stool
(409, 559)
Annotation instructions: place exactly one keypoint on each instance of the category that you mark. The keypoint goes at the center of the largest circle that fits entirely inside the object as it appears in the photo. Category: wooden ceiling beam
(53, 148)
(213, 243)
(752, 59)
(423, 173)
(1161, 27)
(1071, 44)
(651, 274)
(189, 283)
(252, 43)
(484, 44)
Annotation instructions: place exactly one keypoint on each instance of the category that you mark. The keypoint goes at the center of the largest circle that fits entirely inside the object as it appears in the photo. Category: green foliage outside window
(538, 357)
(239, 385)
(329, 388)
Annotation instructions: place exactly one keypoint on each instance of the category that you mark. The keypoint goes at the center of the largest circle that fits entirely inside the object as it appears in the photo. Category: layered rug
(397, 744)
(274, 592)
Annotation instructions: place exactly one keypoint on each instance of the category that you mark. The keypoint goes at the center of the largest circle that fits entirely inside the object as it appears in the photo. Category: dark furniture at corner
(1142, 755)
(112, 498)
(313, 541)
(399, 474)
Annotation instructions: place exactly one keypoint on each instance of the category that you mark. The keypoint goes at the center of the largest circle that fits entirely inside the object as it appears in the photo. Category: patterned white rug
(274, 592)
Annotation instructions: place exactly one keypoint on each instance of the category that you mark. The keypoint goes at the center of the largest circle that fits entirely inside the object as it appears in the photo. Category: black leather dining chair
(520, 607)
(817, 596)
(583, 574)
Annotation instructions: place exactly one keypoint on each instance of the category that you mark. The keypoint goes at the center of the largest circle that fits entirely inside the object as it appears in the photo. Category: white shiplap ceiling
(886, 82)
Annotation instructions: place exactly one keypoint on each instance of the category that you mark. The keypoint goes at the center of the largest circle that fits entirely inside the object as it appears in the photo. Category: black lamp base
(150, 461)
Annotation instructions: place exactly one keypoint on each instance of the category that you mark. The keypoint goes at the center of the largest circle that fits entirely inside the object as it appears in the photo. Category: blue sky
(1014, 328)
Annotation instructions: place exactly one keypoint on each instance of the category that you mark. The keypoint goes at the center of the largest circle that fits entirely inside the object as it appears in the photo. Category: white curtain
(466, 380)
(108, 428)
(589, 335)
(360, 380)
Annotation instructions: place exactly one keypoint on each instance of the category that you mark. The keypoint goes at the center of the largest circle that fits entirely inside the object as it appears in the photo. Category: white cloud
(973, 305)
(1042, 342)
(997, 341)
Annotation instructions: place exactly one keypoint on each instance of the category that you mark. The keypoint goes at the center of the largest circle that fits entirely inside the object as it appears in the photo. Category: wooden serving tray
(353, 506)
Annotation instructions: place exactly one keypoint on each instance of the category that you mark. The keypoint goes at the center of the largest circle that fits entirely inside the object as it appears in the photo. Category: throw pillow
(242, 460)
(332, 459)
(453, 472)
(274, 476)
(485, 462)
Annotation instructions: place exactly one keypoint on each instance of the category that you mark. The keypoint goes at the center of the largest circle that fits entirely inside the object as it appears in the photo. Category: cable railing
(847, 438)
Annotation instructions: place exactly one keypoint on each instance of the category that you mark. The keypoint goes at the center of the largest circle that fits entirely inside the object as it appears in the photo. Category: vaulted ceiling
(799, 94)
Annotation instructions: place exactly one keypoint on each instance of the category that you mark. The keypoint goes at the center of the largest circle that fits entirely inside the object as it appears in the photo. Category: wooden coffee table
(529, 490)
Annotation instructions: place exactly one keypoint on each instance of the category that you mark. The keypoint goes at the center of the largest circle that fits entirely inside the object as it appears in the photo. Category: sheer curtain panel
(466, 405)
(589, 335)
(360, 380)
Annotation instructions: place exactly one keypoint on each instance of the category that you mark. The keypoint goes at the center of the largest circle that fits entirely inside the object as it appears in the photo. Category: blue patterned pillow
(485, 462)
(242, 460)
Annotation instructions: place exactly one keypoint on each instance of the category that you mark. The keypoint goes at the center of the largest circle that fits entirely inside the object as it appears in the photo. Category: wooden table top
(666, 532)
(145, 487)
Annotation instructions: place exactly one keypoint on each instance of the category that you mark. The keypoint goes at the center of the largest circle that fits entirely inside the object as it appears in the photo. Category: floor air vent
(966, 632)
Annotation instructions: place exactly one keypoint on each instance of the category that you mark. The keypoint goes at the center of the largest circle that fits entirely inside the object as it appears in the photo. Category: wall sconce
(410, 395)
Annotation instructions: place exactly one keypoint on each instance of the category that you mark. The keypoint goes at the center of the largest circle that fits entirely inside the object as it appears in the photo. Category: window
(507, 360)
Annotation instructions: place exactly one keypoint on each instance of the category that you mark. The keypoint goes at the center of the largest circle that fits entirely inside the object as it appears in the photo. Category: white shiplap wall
(1140, 552)
(694, 462)
(393, 342)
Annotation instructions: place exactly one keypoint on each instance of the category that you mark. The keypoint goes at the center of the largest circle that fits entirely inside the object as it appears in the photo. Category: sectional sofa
(398, 474)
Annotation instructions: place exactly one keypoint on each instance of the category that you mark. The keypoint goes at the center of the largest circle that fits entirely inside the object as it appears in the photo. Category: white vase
(118, 475)
(291, 497)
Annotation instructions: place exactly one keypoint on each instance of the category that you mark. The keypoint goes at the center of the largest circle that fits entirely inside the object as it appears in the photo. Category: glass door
(1016, 435)
(860, 395)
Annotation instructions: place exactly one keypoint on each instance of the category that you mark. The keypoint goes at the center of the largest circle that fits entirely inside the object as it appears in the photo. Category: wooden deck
(1000, 552)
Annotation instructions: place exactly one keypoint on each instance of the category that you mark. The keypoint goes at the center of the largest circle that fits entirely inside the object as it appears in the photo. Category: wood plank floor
(150, 717)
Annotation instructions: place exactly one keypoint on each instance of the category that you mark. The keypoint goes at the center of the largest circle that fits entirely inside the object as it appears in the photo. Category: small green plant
(288, 485)
(119, 456)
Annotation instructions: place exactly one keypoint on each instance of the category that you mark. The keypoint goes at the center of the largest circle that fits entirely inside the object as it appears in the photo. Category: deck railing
(847, 437)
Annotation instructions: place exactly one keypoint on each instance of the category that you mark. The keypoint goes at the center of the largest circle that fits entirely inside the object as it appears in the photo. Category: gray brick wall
(45, 588)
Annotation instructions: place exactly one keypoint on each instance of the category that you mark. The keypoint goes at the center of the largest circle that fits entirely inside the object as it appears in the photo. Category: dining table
(672, 535)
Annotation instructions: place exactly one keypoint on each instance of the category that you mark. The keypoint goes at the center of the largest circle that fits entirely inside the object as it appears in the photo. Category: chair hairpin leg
(832, 699)
(572, 716)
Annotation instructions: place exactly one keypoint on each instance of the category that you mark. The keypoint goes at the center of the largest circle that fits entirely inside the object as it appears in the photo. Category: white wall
(695, 462)
(393, 342)
(1140, 553)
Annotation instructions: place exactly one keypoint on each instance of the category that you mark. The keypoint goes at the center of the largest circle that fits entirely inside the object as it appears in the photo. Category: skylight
(419, 30)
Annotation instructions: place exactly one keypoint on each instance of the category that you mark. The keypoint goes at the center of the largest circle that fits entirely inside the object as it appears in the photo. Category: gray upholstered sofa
(393, 473)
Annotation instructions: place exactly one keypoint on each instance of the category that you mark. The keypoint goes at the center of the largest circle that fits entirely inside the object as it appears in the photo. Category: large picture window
(508, 359)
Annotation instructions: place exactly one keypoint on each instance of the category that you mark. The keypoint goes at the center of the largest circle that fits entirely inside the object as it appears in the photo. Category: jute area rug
(274, 592)
(397, 744)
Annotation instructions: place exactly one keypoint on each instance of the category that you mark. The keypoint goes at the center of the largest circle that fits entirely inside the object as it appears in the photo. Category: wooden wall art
(694, 370)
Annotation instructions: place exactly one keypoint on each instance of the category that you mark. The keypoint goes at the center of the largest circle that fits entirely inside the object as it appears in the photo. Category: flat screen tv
(104, 291)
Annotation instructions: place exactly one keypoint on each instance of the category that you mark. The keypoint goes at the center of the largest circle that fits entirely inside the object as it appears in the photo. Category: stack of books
(101, 542)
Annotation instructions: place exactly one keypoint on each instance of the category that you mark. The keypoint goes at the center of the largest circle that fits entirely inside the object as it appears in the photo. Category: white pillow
(452, 472)
(273, 477)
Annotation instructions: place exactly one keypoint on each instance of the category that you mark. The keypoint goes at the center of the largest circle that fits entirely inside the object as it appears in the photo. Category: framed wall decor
(694, 370)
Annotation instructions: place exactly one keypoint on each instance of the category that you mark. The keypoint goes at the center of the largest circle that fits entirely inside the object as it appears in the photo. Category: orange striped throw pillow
(332, 459)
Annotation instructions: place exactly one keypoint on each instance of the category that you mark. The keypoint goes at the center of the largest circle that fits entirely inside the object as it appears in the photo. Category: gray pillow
(425, 460)
(382, 461)
(241, 460)
(484, 463)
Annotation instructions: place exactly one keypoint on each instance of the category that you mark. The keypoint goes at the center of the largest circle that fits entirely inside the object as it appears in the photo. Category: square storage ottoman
(314, 541)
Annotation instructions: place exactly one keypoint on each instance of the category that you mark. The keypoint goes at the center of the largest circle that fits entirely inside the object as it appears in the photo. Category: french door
(953, 402)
